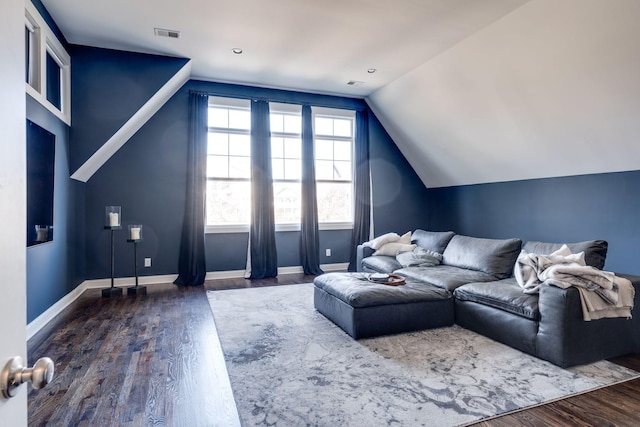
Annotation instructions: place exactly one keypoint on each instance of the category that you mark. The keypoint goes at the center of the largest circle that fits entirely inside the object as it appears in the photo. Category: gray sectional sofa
(477, 275)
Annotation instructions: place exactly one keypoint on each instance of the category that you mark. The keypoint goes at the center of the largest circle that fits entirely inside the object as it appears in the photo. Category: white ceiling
(550, 90)
(471, 91)
(315, 46)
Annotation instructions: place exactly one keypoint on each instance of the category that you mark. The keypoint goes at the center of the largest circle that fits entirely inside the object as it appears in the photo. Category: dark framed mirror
(41, 147)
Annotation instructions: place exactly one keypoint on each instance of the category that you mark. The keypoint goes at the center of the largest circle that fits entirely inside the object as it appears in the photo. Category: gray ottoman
(364, 309)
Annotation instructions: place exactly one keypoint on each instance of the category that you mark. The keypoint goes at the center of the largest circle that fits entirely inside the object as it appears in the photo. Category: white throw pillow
(393, 249)
(379, 241)
(406, 238)
(564, 255)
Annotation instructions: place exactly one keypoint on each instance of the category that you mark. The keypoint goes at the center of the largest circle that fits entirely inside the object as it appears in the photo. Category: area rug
(290, 366)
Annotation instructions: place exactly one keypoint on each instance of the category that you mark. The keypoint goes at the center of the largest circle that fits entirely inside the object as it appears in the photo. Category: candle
(42, 233)
(135, 233)
(114, 221)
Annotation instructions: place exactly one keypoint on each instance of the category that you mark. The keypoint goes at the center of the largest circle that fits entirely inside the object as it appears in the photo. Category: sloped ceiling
(552, 89)
(315, 46)
(471, 91)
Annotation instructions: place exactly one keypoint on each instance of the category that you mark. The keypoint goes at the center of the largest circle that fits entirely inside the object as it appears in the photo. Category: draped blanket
(602, 293)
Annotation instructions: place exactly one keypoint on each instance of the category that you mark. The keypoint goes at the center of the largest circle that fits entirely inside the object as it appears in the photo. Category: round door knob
(15, 374)
(41, 374)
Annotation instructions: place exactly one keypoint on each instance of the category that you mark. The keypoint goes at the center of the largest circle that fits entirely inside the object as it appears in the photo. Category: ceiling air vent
(166, 33)
(355, 83)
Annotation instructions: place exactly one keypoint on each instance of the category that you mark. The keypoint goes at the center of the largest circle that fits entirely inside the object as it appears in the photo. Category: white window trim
(244, 228)
(46, 42)
(348, 114)
(281, 108)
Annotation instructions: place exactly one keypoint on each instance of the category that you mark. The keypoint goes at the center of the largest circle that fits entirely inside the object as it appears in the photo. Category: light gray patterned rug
(290, 366)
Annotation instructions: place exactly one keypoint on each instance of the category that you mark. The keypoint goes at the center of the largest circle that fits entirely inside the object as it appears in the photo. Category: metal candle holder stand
(136, 290)
(112, 291)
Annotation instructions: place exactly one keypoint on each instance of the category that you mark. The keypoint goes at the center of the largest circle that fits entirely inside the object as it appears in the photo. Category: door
(13, 282)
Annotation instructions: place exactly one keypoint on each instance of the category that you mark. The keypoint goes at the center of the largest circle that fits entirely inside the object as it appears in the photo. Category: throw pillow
(420, 257)
(379, 241)
(406, 238)
(393, 249)
(564, 256)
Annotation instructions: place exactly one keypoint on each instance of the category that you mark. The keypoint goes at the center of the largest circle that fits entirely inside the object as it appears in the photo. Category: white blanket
(602, 293)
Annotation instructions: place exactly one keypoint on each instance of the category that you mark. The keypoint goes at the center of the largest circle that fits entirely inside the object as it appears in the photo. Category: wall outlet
(328, 252)
(147, 262)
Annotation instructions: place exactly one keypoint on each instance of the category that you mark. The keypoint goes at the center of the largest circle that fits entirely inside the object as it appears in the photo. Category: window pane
(324, 126)
(277, 168)
(54, 82)
(239, 167)
(239, 145)
(218, 143)
(217, 166)
(324, 170)
(228, 202)
(292, 169)
(342, 127)
(292, 148)
(239, 119)
(218, 117)
(277, 147)
(292, 124)
(342, 150)
(324, 149)
(277, 124)
(27, 54)
(342, 170)
(286, 197)
(334, 202)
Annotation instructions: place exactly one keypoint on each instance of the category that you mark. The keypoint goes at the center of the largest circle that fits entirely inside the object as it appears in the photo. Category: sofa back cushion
(435, 241)
(595, 251)
(491, 256)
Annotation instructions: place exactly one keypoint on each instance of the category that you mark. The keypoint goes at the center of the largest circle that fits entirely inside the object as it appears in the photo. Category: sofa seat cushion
(445, 276)
(595, 251)
(491, 256)
(355, 290)
(380, 264)
(504, 294)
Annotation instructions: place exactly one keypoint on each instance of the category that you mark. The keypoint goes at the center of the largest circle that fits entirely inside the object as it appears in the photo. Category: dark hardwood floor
(145, 360)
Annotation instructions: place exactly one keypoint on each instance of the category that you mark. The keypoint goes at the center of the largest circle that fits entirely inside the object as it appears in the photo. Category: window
(31, 43)
(334, 141)
(228, 192)
(228, 195)
(286, 161)
(54, 81)
(47, 66)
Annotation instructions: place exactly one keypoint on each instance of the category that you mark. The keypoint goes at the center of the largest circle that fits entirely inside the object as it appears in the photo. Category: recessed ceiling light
(355, 83)
(371, 70)
(236, 50)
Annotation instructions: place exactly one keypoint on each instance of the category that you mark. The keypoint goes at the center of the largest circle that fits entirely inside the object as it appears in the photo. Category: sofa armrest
(565, 339)
(362, 252)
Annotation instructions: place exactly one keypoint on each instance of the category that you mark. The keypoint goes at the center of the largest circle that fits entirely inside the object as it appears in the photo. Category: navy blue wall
(147, 177)
(107, 88)
(566, 209)
(399, 197)
(57, 267)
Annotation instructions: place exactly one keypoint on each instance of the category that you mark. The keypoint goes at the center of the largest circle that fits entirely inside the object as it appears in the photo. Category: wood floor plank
(147, 360)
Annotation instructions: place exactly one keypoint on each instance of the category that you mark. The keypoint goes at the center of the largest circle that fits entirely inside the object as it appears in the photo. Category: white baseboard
(129, 281)
(41, 321)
